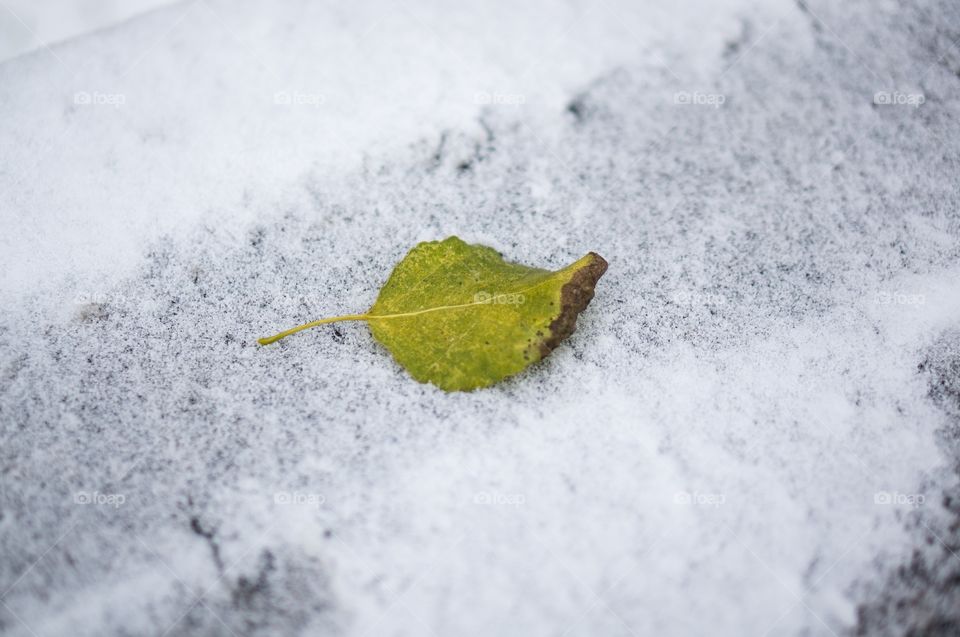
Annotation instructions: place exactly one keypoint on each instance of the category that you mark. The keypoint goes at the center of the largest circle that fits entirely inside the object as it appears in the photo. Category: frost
(749, 432)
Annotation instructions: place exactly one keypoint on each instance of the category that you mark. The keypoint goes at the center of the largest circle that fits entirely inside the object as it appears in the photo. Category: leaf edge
(575, 296)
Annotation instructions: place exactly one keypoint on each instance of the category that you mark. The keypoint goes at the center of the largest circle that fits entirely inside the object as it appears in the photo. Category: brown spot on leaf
(574, 298)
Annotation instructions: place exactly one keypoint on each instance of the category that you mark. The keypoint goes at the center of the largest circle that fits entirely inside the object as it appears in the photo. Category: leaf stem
(294, 330)
(380, 317)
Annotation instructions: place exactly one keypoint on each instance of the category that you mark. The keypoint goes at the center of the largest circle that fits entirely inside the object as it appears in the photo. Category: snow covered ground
(27, 25)
(754, 431)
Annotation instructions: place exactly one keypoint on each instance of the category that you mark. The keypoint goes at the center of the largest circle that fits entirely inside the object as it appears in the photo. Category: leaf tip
(575, 295)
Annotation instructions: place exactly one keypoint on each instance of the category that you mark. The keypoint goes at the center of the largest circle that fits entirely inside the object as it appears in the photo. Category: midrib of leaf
(378, 317)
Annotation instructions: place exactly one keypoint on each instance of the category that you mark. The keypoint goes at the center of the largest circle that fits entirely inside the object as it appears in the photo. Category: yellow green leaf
(460, 317)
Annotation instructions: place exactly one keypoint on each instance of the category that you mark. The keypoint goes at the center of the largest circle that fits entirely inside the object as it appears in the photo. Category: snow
(27, 25)
(737, 440)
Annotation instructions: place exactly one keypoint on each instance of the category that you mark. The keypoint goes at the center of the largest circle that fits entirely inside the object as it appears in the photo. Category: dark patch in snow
(922, 595)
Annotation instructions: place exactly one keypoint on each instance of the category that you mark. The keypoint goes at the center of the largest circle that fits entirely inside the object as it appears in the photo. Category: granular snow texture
(753, 431)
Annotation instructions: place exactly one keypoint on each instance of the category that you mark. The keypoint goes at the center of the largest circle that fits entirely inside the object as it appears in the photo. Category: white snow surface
(28, 25)
(730, 444)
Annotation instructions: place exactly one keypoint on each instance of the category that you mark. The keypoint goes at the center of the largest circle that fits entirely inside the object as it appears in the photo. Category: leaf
(460, 317)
